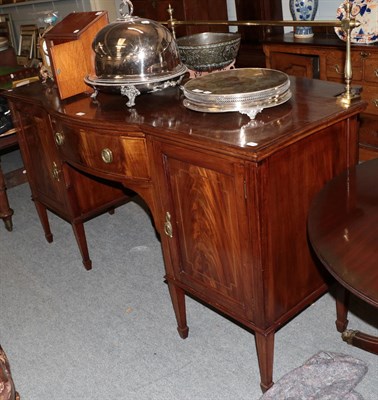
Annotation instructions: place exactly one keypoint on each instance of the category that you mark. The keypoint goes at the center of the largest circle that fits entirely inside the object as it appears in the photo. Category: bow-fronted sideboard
(229, 196)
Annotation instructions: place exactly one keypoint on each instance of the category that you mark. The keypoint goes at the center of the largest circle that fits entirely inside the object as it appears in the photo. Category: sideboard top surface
(313, 103)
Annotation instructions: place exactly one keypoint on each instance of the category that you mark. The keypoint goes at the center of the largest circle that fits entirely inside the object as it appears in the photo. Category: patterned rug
(325, 376)
(7, 390)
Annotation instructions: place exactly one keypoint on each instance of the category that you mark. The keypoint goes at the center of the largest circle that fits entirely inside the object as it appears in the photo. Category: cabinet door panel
(157, 10)
(185, 10)
(209, 228)
(295, 64)
(370, 67)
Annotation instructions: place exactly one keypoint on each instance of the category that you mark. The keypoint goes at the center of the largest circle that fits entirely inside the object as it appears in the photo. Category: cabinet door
(39, 153)
(370, 61)
(158, 10)
(185, 10)
(295, 64)
(203, 198)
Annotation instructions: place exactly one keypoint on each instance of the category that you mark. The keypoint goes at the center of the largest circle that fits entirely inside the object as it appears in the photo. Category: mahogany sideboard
(229, 196)
(323, 57)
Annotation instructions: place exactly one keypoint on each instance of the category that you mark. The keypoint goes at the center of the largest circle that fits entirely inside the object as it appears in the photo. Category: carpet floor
(110, 333)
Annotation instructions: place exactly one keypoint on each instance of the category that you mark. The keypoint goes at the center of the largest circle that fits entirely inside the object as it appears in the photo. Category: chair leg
(5, 211)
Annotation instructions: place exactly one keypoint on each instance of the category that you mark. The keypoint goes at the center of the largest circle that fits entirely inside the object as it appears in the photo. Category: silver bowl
(208, 51)
(133, 56)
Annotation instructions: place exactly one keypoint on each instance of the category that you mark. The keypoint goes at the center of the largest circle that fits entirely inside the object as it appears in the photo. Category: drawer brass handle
(339, 70)
(364, 54)
(59, 138)
(167, 225)
(107, 155)
(376, 72)
(55, 172)
(375, 102)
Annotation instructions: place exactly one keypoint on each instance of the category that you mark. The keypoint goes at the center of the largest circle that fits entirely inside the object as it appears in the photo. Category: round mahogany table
(343, 231)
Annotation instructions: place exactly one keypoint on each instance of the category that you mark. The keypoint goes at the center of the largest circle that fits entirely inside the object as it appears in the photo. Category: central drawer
(119, 155)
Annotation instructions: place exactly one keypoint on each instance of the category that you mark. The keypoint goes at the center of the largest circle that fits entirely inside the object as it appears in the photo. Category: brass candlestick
(346, 24)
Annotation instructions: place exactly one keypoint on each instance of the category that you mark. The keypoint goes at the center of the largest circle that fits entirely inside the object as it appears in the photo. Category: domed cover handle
(130, 7)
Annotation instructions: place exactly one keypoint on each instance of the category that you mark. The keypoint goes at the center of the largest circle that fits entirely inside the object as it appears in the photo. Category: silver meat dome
(135, 55)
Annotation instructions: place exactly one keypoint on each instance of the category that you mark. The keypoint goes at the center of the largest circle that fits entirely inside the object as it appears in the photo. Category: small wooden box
(69, 45)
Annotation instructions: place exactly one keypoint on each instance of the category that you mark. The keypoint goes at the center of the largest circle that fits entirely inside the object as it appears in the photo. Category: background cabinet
(188, 10)
(323, 57)
(251, 53)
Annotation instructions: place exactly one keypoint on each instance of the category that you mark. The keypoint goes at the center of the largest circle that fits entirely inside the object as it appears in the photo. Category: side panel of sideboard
(288, 180)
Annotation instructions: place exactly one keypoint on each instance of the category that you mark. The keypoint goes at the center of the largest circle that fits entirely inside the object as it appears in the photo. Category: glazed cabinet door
(184, 10)
(39, 154)
(205, 227)
(158, 10)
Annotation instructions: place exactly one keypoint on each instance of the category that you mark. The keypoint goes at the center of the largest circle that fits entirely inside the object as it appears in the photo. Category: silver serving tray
(247, 90)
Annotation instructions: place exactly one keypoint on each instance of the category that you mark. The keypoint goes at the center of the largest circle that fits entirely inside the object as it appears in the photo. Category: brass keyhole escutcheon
(59, 138)
(55, 172)
(107, 156)
(167, 225)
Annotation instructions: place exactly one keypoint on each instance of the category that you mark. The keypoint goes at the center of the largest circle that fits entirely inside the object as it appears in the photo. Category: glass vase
(303, 10)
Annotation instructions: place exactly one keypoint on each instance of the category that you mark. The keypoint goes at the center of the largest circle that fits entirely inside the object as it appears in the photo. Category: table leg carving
(342, 304)
(178, 301)
(265, 354)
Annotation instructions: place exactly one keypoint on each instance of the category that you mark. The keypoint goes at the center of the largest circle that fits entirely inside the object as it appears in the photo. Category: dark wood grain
(343, 229)
(73, 196)
(229, 196)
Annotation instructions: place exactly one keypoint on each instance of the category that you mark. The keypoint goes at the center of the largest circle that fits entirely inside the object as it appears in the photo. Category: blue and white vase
(303, 10)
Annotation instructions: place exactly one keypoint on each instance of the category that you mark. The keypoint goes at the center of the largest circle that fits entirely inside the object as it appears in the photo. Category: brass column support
(347, 25)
